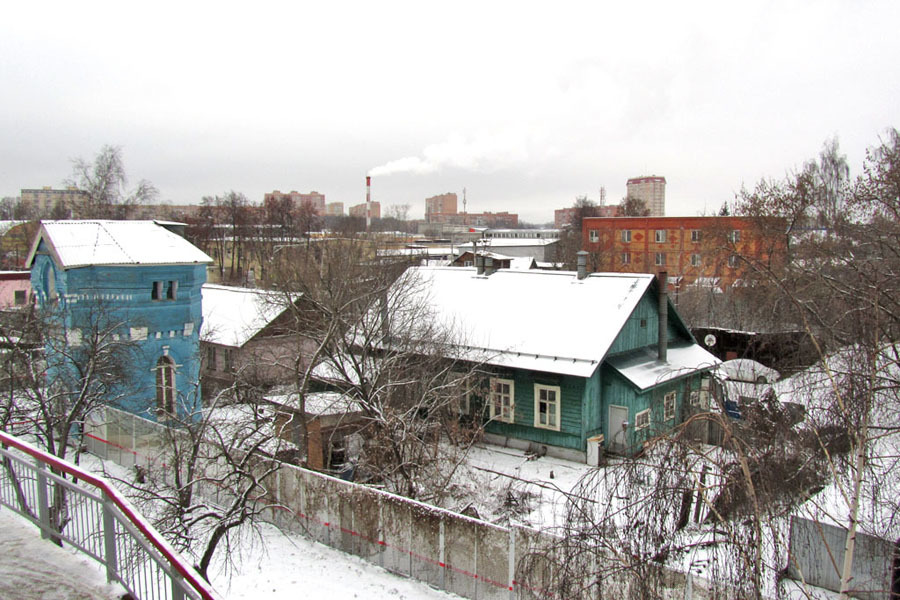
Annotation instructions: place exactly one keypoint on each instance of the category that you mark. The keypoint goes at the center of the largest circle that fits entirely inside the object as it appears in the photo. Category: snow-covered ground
(35, 569)
(274, 566)
(289, 567)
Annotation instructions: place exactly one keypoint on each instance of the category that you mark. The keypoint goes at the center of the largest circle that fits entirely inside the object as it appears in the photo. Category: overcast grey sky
(526, 105)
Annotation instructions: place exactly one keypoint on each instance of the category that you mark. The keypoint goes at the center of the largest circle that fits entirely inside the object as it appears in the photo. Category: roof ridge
(102, 224)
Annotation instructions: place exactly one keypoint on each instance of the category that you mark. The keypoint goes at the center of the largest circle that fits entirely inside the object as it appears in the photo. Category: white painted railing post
(43, 501)
(442, 558)
(177, 588)
(512, 562)
(109, 543)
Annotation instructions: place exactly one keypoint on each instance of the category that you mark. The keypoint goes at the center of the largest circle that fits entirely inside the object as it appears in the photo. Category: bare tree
(105, 184)
(210, 479)
(363, 329)
(60, 371)
(632, 206)
(841, 282)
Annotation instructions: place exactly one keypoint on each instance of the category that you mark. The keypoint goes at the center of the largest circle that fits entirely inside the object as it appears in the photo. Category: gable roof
(539, 320)
(233, 315)
(114, 243)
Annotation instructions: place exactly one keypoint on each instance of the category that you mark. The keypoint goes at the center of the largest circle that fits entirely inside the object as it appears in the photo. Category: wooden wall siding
(633, 336)
(592, 406)
(572, 391)
(619, 391)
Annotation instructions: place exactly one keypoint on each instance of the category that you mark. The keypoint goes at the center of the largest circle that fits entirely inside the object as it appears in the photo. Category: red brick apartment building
(314, 199)
(688, 248)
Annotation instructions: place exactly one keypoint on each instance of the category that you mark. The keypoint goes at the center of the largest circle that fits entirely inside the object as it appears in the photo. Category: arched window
(165, 386)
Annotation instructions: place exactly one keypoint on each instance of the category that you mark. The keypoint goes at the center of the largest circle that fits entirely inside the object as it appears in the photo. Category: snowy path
(34, 569)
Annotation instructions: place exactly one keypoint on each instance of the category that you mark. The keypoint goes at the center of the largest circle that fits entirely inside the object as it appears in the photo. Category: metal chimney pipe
(368, 202)
(663, 337)
(582, 264)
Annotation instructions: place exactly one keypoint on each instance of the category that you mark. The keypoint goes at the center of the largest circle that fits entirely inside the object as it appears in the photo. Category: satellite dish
(709, 340)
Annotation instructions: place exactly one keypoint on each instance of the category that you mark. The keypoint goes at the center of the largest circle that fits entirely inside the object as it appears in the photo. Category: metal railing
(98, 520)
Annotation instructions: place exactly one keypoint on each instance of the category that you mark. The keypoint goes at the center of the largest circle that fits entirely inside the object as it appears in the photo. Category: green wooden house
(577, 363)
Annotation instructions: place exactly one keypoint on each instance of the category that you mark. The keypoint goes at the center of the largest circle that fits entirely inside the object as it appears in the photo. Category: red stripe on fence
(361, 536)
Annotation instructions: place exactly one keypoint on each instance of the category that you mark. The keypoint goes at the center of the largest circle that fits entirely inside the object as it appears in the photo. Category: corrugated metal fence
(817, 554)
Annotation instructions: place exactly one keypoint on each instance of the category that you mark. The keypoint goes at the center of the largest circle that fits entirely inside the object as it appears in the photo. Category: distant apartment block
(42, 202)
(443, 209)
(562, 217)
(314, 199)
(442, 204)
(334, 209)
(360, 210)
(652, 190)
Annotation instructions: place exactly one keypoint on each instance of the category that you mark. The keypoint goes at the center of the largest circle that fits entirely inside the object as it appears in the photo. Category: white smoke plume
(482, 153)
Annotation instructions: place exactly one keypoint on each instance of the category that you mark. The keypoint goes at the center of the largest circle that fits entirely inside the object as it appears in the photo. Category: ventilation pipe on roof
(479, 263)
(582, 264)
(663, 280)
(489, 265)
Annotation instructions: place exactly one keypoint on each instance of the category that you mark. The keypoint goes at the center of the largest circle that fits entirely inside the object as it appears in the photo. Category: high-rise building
(650, 189)
(443, 204)
(334, 209)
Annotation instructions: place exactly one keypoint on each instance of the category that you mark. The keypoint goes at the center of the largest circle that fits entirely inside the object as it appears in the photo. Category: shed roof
(539, 320)
(233, 315)
(87, 243)
(644, 369)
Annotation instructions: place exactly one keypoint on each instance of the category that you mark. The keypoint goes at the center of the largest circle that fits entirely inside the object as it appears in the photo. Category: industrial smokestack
(368, 202)
(582, 264)
(663, 280)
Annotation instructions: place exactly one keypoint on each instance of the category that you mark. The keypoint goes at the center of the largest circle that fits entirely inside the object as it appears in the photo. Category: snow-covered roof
(86, 243)
(7, 225)
(515, 262)
(540, 320)
(510, 242)
(319, 404)
(645, 370)
(233, 315)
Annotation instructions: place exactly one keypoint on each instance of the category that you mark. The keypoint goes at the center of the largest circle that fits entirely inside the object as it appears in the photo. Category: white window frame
(495, 395)
(554, 416)
(166, 390)
(660, 236)
(644, 416)
(695, 397)
(670, 402)
(733, 261)
(626, 236)
(461, 405)
(696, 236)
(735, 236)
(626, 258)
(594, 236)
(660, 259)
(696, 261)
